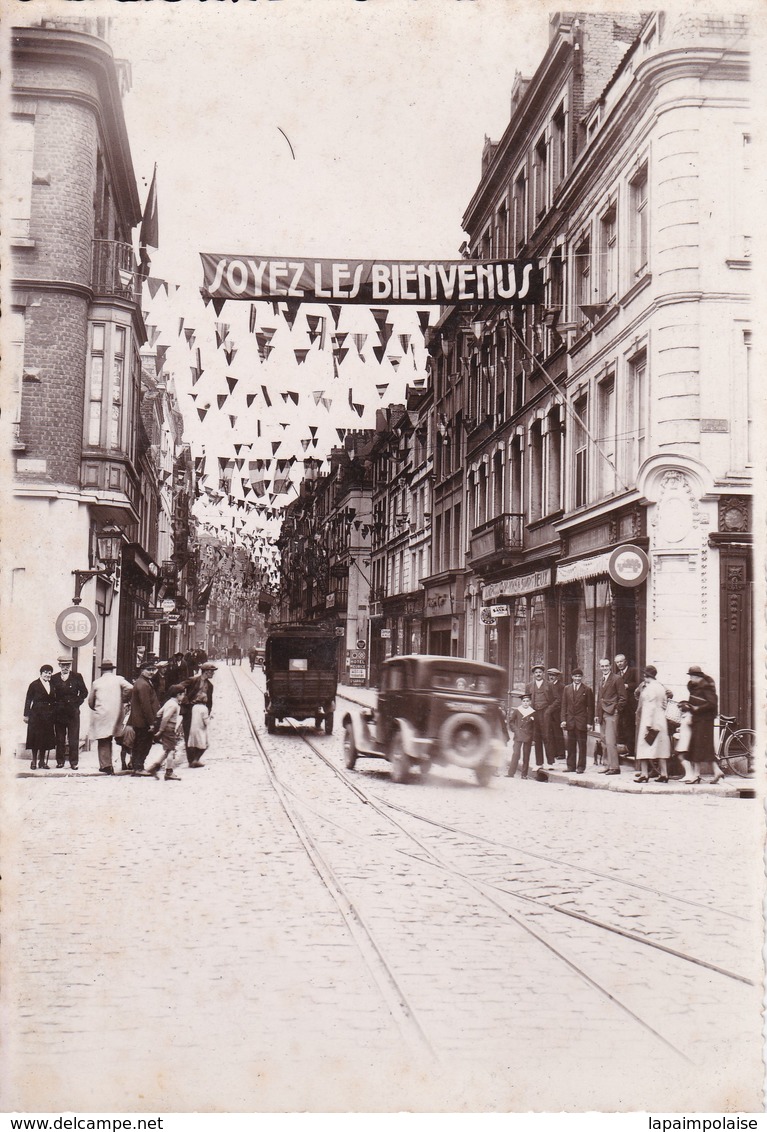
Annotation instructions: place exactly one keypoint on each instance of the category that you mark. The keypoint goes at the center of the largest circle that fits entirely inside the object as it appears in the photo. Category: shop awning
(583, 568)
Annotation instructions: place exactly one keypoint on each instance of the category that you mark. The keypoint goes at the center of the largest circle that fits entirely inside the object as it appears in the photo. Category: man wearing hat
(68, 692)
(611, 697)
(107, 699)
(577, 713)
(194, 687)
(540, 700)
(555, 740)
(144, 706)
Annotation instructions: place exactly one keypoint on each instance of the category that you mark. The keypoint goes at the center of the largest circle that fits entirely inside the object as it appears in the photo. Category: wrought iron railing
(114, 270)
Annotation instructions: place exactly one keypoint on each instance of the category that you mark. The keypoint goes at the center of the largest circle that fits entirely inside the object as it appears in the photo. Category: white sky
(385, 102)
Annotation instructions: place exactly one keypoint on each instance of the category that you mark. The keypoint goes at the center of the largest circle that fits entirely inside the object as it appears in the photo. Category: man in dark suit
(577, 713)
(540, 699)
(627, 718)
(68, 691)
(555, 740)
(144, 706)
(611, 697)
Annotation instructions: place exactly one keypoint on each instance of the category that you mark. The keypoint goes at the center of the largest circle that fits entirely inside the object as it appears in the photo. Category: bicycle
(735, 754)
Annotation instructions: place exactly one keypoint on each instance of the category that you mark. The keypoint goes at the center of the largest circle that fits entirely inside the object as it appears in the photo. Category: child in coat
(197, 742)
(168, 731)
(522, 724)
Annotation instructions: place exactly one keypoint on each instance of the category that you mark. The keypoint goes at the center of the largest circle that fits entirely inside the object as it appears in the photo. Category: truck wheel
(350, 750)
(329, 723)
(400, 763)
(484, 774)
(270, 725)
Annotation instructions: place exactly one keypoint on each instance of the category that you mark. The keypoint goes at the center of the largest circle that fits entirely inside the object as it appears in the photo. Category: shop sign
(628, 565)
(386, 634)
(357, 672)
(145, 625)
(514, 587)
(340, 630)
(330, 600)
(485, 616)
(499, 611)
(168, 606)
(76, 626)
(356, 655)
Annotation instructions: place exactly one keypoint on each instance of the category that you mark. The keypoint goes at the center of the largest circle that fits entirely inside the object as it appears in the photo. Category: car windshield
(451, 681)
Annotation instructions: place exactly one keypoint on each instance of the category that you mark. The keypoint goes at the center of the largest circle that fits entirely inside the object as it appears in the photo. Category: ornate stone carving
(734, 514)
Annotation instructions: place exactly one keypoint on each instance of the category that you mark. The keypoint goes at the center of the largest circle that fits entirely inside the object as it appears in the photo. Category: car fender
(363, 739)
(410, 741)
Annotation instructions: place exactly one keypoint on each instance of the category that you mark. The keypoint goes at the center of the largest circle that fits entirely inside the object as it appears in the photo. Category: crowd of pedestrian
(168, 704)
(630, 718)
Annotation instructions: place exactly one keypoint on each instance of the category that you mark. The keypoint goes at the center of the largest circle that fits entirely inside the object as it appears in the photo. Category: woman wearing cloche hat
(704, 705)
(652, 740)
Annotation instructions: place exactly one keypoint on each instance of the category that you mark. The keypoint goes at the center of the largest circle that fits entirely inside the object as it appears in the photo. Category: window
(16, 348)
(558, 147)
(114, 386)
(21, 147)
(636, 393)
(749, 397)
(98, 339)
(639, 240)
(537, 477)
(515, 486)
(519, 202)
(498, 507)
(554, 461)
(540, 170)
(583, 278)
(502, 232)
(580, 451)
(607, 431)
(607, 254)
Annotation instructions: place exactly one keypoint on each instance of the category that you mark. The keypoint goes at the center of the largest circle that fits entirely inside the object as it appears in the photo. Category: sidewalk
(591, 779)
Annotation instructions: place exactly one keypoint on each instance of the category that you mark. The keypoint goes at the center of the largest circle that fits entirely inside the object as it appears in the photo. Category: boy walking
(170, 733)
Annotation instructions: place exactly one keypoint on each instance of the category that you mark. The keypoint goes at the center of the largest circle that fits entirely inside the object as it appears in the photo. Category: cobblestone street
(175, 949)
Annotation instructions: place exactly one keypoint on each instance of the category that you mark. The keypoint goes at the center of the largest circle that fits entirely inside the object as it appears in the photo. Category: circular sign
(169, 605)
(362, 644)
(628, 566)
(76, 626)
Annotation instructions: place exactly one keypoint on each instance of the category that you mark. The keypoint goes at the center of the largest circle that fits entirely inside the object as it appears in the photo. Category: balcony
(496, 540)
(113, 271)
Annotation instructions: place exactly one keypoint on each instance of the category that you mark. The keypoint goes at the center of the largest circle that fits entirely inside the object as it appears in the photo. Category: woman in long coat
(38, 716)
(651, 717)
(704, 705)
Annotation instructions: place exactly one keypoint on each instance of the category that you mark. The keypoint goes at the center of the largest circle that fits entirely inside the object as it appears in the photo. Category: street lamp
(108, 543)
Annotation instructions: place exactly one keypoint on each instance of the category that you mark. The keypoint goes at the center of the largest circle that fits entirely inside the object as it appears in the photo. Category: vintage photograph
(379, 434)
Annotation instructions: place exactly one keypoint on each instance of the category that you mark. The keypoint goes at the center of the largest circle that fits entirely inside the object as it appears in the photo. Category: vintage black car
(432, 709)
(300, 665)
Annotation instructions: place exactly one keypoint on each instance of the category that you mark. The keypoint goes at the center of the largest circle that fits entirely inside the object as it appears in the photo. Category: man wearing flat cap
(540, 700)
(107, 699)
(68, 692)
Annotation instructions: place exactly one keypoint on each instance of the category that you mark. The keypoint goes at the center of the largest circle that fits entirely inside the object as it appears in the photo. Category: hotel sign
(369, 282)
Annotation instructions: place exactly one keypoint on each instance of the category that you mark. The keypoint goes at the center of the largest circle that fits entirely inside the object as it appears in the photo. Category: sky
(332, 128)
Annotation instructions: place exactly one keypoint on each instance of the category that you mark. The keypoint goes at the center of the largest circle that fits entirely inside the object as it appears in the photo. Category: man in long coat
(144, 706)
(107, 698)
(541, 698)
(68, 691)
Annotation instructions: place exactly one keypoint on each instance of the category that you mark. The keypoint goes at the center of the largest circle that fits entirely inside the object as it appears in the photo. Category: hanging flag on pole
(149, 235)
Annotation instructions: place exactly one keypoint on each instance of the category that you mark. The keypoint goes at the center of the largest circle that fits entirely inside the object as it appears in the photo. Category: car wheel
(464, 740)
(400, 763)
(350, 750)
(484, 774)
(329, 723)
(270, 724)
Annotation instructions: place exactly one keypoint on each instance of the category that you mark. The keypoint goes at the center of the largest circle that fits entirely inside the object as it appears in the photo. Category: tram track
(515, 907)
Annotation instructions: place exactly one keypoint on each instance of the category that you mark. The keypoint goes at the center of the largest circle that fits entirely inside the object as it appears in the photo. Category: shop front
(443, 614)
(520, 623)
